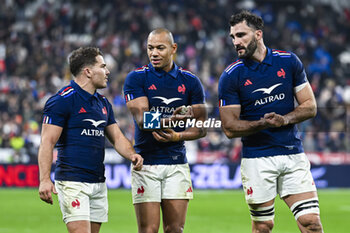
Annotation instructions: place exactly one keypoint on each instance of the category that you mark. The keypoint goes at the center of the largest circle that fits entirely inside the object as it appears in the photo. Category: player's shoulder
(137, 75)
(62, 99)
(281, 53)
(66, 92)
(233, 70)
(187, 73)
(63, 95)
(140, 70)
(234, 67)
(285, 57)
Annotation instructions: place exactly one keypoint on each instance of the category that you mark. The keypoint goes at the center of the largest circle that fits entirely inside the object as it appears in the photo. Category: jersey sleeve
(228, 90)
(55, 111)
(197, 95)
(299, 74)
(134, 86)
(110, 112)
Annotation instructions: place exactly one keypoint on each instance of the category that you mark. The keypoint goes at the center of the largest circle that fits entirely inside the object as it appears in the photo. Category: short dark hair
(81, 57)
(251, 19)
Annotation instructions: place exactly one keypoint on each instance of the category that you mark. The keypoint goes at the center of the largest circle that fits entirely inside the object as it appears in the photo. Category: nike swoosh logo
(268, 90)
(165, 100)
(95, 123)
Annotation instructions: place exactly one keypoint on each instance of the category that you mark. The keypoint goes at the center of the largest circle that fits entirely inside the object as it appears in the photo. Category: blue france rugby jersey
(261, 88)
(83, 118)
(165, 92)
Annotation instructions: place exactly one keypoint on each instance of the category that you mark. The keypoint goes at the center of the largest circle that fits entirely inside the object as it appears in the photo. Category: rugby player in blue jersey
(164, 182)
(257, 95)
(77, 119)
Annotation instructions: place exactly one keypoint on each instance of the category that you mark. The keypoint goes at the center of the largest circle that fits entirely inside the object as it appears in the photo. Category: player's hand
(137, 161)
(182, 113)
(166, 135)
(45, 189)
(273, 120)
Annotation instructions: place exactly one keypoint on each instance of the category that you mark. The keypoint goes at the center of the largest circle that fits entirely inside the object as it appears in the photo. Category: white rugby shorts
(82, 201)
(264, 177)
(156, 182)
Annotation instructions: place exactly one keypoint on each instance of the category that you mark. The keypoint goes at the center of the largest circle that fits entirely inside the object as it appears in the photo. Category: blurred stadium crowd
(37, 36)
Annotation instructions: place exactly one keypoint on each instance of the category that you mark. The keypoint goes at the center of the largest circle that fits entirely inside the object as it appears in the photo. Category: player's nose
(237, 43)
(107, 71)
(155, 53)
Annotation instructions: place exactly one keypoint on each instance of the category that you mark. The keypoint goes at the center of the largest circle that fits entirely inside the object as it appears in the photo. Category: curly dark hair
(81, 57)
(251, 19)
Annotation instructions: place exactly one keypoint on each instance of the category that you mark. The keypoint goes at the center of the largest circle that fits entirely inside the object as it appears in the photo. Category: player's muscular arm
(140, 105)
(123, 145)
(199, 112)
(49, 137)
(234, 127)
(306, 109)
(137, 107)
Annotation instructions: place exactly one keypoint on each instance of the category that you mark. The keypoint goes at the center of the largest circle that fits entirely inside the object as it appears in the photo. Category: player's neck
(260, 53)
(169, 67)
(85, 84)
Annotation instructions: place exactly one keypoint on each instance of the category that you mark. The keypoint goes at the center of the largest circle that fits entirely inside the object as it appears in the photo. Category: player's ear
(174, 48)
(258, 34)
(87, 72)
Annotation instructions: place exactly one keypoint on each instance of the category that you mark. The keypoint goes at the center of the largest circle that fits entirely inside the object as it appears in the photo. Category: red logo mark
(152, 87)
(82, 110)
(281, 73)
(104, 110)
(248, 82)
(189, 190)
(181, 89)
(76, 203)
(250, 191)
(140, 190)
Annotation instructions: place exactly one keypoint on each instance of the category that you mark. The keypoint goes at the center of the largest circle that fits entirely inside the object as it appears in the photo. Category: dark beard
(249, 50)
